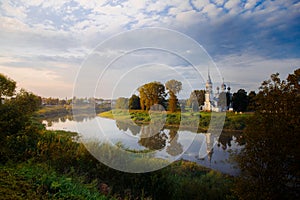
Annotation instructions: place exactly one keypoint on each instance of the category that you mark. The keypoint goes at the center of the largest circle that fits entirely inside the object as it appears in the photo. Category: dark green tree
(7, 87)
(240, 100)
(134, 102)
(251, 100)
(18, 130)
(269, 162)
(174, 87)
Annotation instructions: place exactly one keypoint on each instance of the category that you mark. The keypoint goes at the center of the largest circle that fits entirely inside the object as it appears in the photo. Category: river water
(172, 143)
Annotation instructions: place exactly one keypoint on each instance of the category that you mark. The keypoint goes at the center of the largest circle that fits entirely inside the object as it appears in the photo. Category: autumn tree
(173, 87)
(269, 162)
(152, 93)
(7, 87)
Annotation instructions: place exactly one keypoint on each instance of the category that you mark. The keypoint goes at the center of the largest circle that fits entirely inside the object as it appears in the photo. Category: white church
(213, 100)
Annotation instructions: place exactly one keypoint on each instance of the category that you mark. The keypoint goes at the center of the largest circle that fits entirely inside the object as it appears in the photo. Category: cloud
(56, 36)
(234, 6)
(249, 71)
(199, 5)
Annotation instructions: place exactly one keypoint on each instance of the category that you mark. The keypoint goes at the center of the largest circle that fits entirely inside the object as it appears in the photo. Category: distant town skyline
(45, 43)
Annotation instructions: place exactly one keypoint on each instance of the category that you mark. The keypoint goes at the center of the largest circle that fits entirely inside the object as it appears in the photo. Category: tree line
(155, 93)
(151, 95)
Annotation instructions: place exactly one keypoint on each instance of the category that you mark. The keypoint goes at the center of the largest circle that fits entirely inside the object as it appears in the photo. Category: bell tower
(208, 94)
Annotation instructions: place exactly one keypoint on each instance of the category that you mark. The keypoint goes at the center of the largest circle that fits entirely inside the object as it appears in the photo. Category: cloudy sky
(45, 45)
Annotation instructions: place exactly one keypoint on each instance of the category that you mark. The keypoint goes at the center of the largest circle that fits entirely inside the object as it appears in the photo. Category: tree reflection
(226, 138)
(125, 125)
(174, 148)
(64, 118)
(154, 136)
(153, 141)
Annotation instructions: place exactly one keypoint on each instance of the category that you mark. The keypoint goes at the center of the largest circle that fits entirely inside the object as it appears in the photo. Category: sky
(107, 48)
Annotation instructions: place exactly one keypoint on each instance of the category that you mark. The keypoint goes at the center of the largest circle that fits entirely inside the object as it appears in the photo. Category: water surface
(170, 143)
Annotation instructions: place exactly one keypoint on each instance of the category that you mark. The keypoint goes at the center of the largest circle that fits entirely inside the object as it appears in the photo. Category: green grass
(233, 121)
(50, 111)
(38, 181)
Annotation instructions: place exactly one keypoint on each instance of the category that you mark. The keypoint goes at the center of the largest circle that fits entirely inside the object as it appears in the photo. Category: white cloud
(219, 2)
(9, 24)
(10, 9)
(233, 6)
(212, 11)
(188, 18)
(250, 4)
(32, 2)
(200, 4)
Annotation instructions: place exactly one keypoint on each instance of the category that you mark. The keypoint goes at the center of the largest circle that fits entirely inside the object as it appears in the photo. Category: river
(172, 143)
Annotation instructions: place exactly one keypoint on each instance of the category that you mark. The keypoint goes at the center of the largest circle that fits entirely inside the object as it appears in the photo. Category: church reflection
(157, 137)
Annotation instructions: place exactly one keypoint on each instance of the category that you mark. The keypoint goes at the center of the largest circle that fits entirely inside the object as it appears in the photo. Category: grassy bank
(39, 181)
(233, 121)
(54, 111)
(63, 110)
(56, 167)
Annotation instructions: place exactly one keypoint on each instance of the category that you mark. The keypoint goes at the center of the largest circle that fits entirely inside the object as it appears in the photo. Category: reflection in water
(174, 148)
(154, 137)
(155, 141)
(207, 149)
(79, 118)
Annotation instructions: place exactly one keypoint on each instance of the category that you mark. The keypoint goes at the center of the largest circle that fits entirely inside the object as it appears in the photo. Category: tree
(152, 93)
(196, 99)
(270, 160)
(240, 100)
(134, 102)
(174, 87)
(122, 103)
(7, 87)
(18, 132)
(251, 100)
(27, 102)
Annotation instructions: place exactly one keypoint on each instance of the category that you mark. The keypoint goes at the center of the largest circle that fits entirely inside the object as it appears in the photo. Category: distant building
(214, 101)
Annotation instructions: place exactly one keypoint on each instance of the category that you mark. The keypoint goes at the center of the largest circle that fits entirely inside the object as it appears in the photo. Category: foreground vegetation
(270, 160)
(56, 167)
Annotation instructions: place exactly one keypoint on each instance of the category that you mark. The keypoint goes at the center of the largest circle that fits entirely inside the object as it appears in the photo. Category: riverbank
(201, 120)
(54, 111)
(57, 167)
